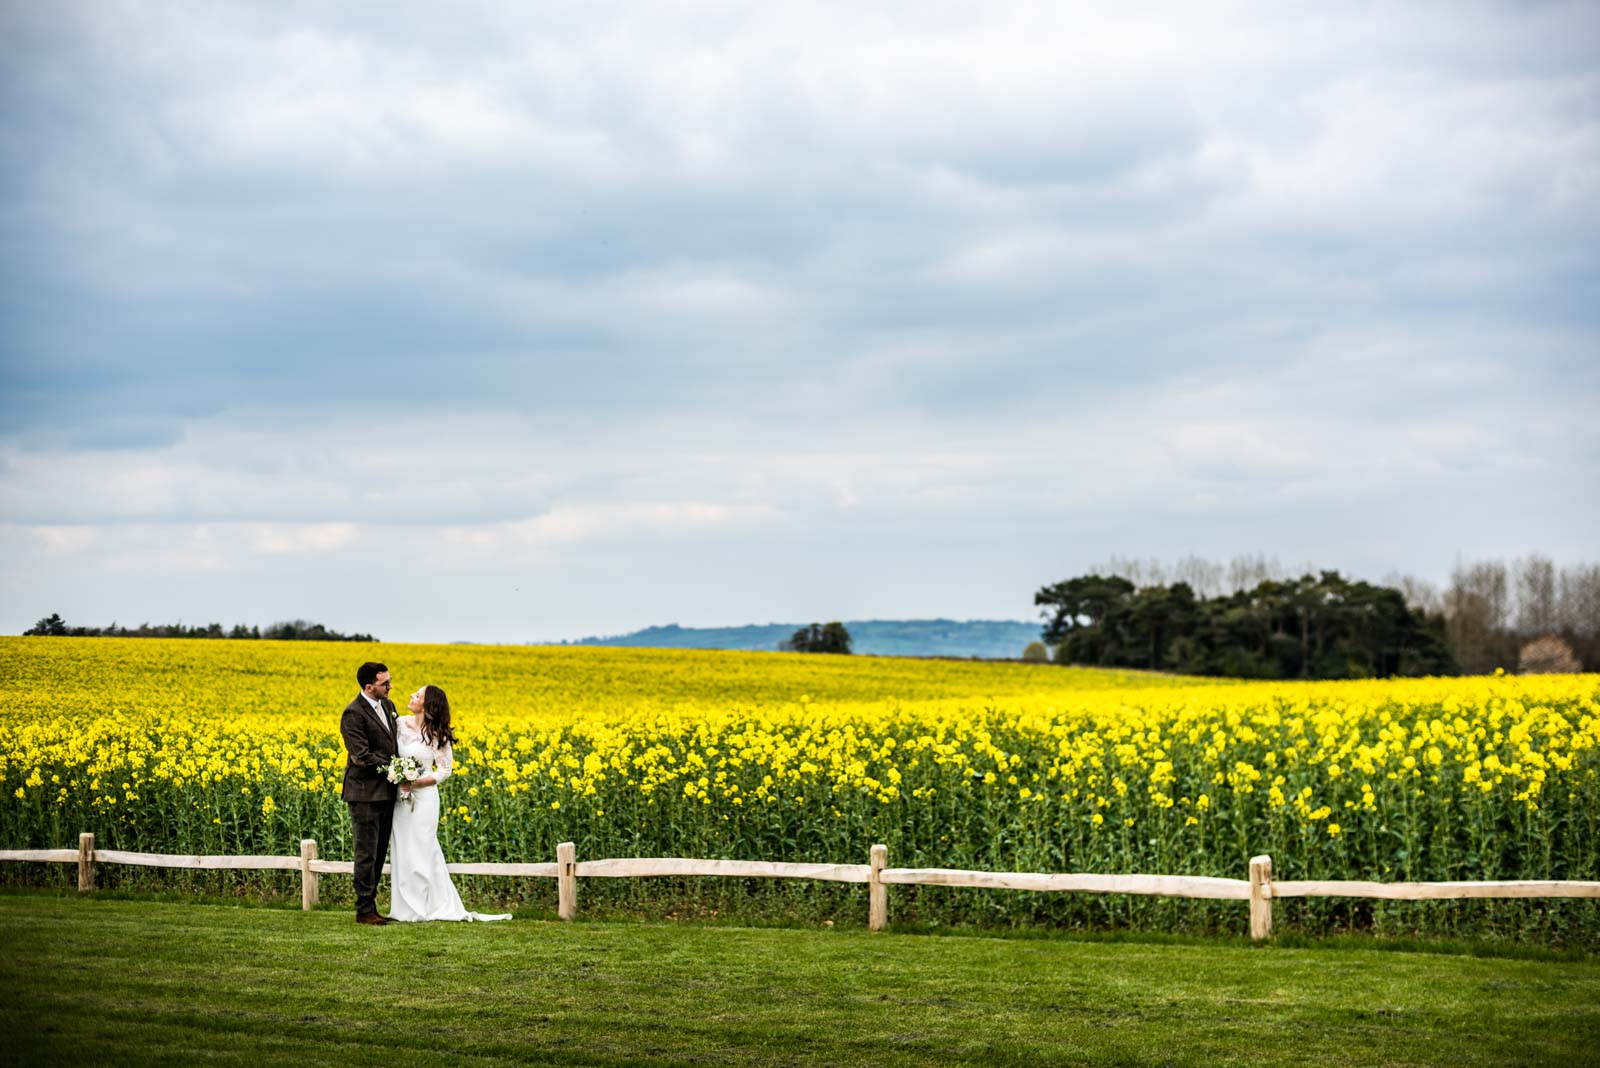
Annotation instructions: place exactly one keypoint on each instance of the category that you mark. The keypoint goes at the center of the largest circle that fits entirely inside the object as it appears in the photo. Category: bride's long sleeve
(443, 760)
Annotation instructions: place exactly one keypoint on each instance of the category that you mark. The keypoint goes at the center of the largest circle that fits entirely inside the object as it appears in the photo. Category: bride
(419, 884)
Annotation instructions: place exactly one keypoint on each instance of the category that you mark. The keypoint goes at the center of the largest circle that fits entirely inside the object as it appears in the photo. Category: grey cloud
(781, 253)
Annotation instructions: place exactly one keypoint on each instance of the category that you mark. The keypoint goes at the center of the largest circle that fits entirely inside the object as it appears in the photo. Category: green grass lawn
(91, 981)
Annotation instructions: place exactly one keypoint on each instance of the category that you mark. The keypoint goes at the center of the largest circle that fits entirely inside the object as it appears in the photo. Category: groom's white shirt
(376, 708)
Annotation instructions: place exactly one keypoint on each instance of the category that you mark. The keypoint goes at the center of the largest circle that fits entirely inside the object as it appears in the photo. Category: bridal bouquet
(402, 769)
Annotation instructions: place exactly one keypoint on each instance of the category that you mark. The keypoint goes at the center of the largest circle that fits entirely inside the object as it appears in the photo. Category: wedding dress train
(419, 884)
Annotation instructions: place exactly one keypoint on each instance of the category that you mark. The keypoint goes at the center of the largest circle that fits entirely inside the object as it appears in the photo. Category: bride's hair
(435, 725)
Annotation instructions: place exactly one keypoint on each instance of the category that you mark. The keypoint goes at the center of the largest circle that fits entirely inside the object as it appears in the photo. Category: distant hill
(987, 638)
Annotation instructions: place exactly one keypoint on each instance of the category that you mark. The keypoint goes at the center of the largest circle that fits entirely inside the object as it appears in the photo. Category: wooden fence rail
(1259, 889)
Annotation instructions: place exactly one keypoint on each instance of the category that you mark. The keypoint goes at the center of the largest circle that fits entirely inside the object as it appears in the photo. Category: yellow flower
(702, 747)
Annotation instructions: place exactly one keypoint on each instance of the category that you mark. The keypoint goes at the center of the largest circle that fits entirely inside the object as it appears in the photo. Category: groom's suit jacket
(368, 744)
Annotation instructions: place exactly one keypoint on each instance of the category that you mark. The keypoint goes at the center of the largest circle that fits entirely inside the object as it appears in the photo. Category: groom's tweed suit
(369, 794)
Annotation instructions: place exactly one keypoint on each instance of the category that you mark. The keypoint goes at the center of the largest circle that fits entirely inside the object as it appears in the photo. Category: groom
(368, 726)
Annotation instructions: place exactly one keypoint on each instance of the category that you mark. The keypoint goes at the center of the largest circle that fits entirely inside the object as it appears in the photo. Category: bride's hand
(405, 788)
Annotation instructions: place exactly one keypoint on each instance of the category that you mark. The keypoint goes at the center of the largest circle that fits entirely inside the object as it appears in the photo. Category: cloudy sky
(513, 322)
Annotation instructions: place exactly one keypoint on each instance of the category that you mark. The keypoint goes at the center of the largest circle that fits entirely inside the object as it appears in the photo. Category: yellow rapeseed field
(232, 747)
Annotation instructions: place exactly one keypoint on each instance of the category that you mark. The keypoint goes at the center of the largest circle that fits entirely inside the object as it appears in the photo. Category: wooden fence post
(308, 878)
(86, 861)
(1260, 897)
(877, 892)
(566, 880)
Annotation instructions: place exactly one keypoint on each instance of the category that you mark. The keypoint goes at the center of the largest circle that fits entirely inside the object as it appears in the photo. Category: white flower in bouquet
(402, 769)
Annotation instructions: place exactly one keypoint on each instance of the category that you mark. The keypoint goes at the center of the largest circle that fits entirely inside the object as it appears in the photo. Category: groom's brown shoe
(372, 918)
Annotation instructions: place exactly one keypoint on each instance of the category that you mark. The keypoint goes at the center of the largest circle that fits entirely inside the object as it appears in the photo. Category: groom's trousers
(371, 822)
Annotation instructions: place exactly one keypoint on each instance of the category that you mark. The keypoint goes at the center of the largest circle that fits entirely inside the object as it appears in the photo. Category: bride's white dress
(419, 884)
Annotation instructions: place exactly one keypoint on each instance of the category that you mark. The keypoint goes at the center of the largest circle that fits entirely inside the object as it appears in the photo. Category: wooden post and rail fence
(1260, 889)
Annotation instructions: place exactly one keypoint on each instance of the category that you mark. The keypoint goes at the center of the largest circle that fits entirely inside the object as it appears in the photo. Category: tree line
(53, 626)
(1492, 611)
(1252, 619)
